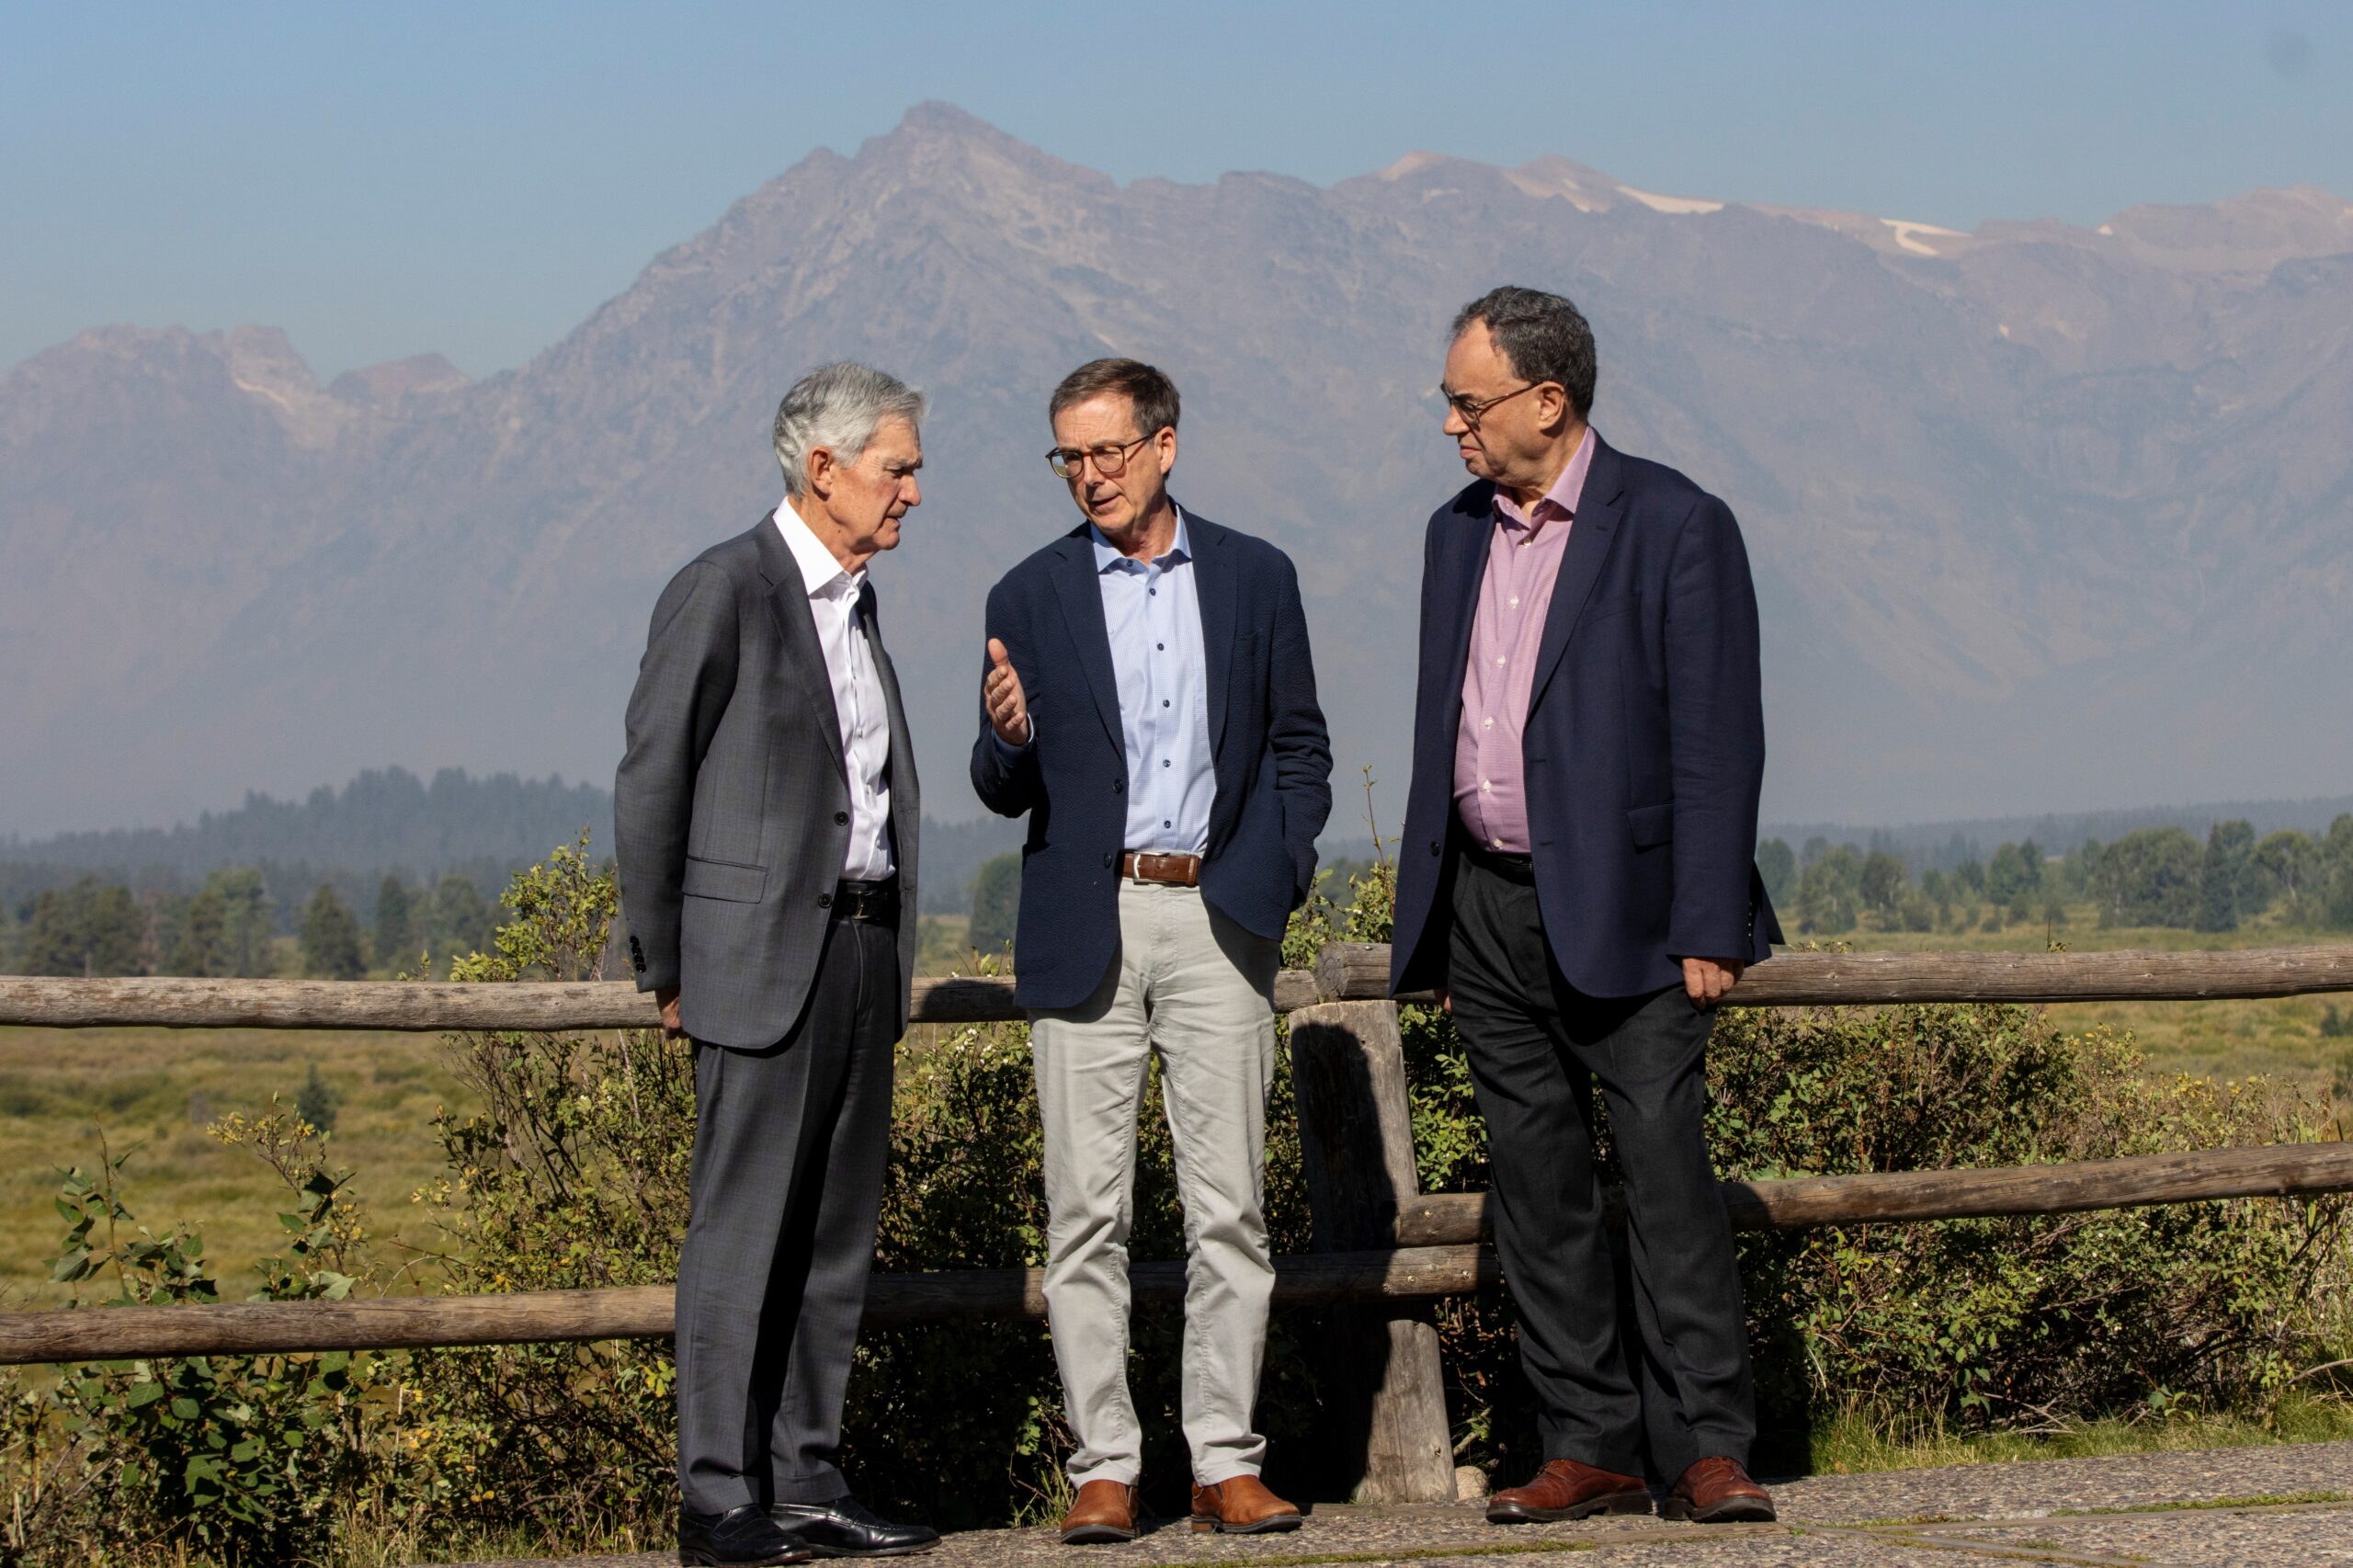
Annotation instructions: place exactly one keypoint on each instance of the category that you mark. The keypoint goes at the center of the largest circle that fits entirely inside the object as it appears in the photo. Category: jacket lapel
(1219, 589)
(903, 752)
(1600, 511)
(1461, 564)
(804, 657)
(1082, 598)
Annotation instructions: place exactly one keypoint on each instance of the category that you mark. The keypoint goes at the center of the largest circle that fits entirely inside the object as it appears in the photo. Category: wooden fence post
(1357, 1138)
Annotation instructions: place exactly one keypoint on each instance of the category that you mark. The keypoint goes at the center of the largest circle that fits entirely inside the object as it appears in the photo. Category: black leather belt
(876, 901)
(1520, 868)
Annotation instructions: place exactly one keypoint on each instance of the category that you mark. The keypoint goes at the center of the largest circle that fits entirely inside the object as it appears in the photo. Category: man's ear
(1164, 443)
(819, 471)
(1552, 410)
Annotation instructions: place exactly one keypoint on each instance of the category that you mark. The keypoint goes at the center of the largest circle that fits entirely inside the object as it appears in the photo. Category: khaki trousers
(1198, 990)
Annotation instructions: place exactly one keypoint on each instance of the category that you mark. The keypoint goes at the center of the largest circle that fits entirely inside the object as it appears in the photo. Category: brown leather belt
(1183, 870)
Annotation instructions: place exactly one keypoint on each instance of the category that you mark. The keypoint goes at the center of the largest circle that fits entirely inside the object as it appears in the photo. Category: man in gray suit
(765, 815)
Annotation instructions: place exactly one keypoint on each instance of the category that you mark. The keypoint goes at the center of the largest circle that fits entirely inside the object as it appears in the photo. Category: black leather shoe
(843, 1527)
(740, 1536)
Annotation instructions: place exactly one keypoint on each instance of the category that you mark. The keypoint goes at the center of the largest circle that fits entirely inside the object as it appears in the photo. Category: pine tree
(202, 947)
(996, 902)
(90, 928)
(331, 939)
(394, 940)
(317, 1102)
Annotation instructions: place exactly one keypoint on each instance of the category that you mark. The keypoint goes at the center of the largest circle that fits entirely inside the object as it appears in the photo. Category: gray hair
(838, 407)
(1545, 337)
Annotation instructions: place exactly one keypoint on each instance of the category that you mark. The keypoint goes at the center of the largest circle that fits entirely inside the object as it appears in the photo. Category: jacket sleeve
(1716, 735)
(1296, 732)
(1005, 778)
(683, 686)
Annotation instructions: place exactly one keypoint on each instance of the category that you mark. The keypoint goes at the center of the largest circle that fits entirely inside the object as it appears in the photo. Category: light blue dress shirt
(1153, 611)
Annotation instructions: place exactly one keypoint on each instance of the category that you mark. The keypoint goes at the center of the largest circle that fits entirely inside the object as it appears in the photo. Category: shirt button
(1486, 785)
(1499, 843)
(1164, 762)
(1164, 702)
(1499, 659)
(1165, 822)
(1515, 603)
(1486, 723)
(1161, 646)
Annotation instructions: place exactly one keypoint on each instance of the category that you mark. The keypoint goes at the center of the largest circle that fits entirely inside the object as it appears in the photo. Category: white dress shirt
(860, 709)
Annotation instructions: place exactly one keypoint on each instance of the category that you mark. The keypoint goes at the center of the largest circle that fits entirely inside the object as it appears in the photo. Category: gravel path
(2285, 1506)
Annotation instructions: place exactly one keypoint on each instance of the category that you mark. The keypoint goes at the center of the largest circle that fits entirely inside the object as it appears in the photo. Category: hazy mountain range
(2043, 516)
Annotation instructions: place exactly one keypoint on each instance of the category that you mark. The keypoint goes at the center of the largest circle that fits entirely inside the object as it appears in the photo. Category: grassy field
(65, 1093)
(2279, 1038)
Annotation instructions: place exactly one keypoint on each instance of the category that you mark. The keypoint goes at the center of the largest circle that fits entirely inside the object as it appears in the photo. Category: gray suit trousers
(791, 1142)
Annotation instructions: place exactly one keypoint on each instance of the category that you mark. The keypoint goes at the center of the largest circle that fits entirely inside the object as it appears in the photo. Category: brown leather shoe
(1240, 1506)
(1104, 1511)
(1718, 1491)
(1565, 1489)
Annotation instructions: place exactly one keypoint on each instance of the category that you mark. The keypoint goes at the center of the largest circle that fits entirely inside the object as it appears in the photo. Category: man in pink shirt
(1577, 882)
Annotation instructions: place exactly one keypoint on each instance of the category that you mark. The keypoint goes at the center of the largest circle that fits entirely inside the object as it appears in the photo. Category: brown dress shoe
(1717, 1491)
(1565, 1489)
(1240, 1506)
(1104, 1511)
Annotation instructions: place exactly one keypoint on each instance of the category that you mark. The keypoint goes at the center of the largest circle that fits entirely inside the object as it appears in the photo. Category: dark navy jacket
(1273, 759)
(1644, 746)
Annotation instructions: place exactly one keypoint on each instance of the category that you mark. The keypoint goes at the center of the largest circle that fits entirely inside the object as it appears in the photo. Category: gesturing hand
(1000, 693)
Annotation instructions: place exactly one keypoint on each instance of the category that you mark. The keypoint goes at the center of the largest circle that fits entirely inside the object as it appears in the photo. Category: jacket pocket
(1652, 825)
(724, 880)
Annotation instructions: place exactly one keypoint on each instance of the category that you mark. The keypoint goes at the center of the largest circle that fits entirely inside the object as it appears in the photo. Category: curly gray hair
(838, 407)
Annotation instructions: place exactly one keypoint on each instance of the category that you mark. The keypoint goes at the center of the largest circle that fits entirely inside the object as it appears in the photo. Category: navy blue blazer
(1644, 746)
(1273, 757)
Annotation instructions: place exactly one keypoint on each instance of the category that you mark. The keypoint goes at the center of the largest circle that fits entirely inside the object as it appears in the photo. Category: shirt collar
(1562, 498)
(1108, 556)
(819, 570)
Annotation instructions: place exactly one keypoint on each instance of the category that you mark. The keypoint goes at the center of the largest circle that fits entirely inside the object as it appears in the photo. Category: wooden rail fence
(1345, 972)
(1382, 1249)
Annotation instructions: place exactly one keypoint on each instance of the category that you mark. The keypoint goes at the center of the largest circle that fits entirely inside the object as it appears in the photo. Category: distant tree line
(2159, 876)
(230, 926)
(387, 817)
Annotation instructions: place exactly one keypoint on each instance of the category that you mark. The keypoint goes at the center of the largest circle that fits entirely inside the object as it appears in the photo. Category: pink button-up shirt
(1523, 563)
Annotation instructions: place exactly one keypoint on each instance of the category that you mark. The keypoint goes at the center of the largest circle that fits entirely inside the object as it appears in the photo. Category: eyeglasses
(1110, 459)
(1471, 410)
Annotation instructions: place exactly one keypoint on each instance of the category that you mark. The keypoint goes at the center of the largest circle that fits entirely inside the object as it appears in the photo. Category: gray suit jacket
(730, 812)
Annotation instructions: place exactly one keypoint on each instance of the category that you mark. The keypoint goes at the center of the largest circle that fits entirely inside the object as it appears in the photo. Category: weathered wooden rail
(1346, 972)
(1435, 1251)
(1382, 1246)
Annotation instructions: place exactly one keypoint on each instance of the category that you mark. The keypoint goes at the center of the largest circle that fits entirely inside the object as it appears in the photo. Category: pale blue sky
(475, 178)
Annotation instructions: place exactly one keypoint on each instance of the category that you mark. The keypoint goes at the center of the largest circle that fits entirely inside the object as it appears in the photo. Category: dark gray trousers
(791, 1142)
(1536, 1046)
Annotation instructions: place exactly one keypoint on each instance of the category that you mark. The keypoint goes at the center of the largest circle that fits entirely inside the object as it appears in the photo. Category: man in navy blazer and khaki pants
(1577, 882)
(1149, 702)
